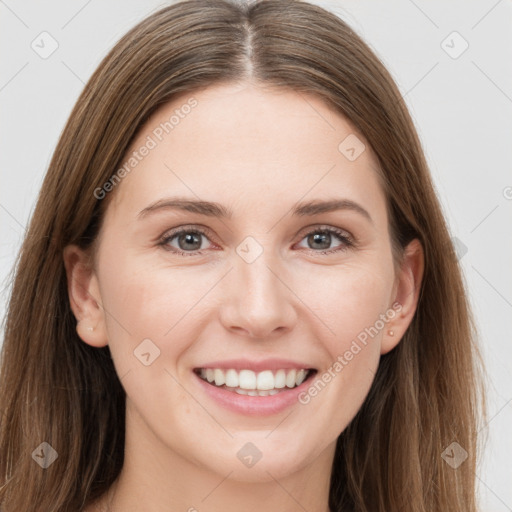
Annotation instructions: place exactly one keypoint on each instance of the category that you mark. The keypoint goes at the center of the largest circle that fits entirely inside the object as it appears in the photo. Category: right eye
(184, 237)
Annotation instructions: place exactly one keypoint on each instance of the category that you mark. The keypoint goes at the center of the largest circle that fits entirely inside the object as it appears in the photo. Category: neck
(155, 477)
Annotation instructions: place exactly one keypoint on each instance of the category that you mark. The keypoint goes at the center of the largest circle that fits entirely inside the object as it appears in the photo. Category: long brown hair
(55, 388)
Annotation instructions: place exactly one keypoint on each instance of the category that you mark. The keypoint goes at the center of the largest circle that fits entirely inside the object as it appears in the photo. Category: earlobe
(91, 335)
(408, 286)
(84, 296)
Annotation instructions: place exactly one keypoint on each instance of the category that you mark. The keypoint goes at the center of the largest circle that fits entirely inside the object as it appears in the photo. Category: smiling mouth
(248, 382)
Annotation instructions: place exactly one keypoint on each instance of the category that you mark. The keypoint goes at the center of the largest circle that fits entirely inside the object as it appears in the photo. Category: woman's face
(246, 284)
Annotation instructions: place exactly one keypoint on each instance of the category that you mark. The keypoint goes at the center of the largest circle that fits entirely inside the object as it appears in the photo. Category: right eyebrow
(208, 208)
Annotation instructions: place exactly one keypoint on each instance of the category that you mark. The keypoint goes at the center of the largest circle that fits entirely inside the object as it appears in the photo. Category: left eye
(189, 240)
(324, 237)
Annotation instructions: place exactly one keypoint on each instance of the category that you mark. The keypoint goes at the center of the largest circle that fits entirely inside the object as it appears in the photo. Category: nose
(259, 303)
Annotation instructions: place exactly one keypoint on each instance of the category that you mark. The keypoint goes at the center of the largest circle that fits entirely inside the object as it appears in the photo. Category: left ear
(408, 285)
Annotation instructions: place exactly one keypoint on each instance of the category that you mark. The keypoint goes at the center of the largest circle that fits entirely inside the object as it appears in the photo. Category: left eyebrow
(212, 209)
(316, 207)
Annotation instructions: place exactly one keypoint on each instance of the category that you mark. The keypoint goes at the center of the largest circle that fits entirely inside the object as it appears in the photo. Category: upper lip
(257, 366)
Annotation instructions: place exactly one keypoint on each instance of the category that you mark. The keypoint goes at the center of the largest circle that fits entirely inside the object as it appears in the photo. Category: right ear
(84, 296)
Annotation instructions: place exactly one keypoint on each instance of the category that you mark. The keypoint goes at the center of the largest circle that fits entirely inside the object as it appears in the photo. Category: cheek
(152, 316)
(144, 302)
(350, 300)
(351, 305)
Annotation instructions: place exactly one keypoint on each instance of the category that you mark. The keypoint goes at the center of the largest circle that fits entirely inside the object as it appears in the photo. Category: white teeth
(265, 380)
(280, 379)
(219, 377)
(246, 379)
(290, 378)
(247, 382)
(232, 378)
(299, 379)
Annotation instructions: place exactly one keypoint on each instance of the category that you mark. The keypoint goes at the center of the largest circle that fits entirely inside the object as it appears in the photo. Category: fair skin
(258, 153)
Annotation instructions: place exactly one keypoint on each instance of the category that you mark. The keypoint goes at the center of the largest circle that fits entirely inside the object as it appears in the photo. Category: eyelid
(324, 227)
(171, 233)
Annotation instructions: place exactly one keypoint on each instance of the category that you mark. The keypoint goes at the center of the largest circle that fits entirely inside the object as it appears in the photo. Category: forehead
(245, 146)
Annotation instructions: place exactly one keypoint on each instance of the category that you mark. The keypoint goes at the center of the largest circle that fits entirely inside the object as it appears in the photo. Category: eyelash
(348, 241)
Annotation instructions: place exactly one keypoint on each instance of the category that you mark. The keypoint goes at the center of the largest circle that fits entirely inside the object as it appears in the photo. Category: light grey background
(461, 104)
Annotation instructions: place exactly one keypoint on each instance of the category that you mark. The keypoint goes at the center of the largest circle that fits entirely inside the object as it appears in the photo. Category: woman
(255, 369)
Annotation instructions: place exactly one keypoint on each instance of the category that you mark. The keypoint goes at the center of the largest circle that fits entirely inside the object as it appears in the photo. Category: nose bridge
(257, 276)
(258, 301)
(253, 270)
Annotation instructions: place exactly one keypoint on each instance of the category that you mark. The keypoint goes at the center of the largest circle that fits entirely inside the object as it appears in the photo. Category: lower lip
(253, 405)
